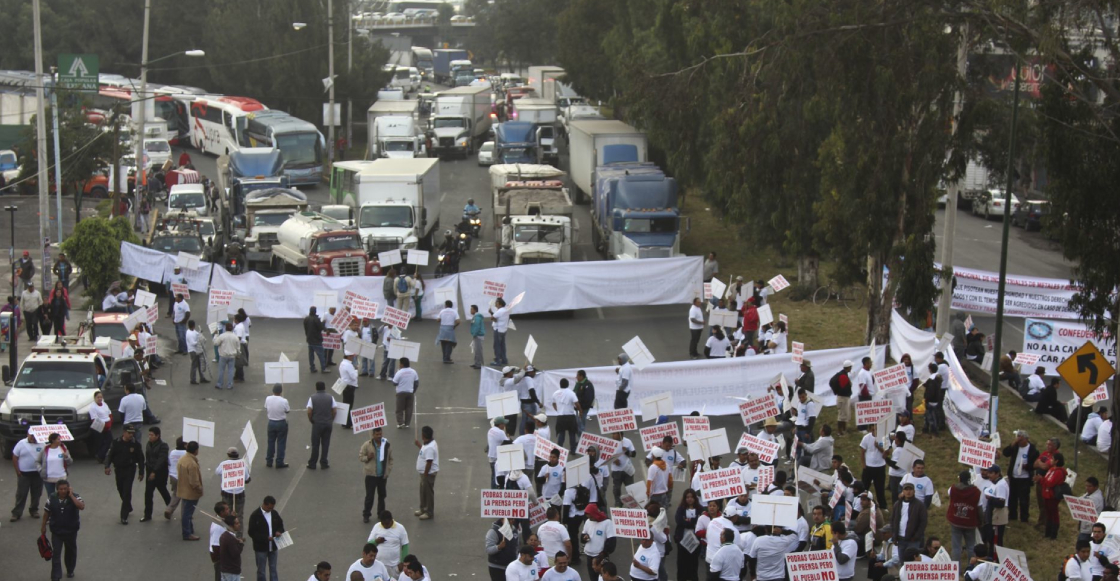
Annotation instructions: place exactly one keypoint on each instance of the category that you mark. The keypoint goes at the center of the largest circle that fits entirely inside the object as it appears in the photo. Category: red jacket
(964, 503)
(1054, 477)
(750, 319)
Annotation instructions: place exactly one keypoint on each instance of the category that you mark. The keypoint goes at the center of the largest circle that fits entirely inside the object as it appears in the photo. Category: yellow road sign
(1086, 369)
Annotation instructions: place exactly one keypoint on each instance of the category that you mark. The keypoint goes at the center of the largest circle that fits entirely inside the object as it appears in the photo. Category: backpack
(45, 548)
(1062, 571)
(1061, 491)
(582, 499)
(402, 284)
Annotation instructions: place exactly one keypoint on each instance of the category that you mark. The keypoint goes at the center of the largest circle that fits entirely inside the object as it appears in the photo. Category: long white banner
(1055, 341)
(710, 386)
(1025, 296)
(159, 266)
(562, 286)
(966, 407)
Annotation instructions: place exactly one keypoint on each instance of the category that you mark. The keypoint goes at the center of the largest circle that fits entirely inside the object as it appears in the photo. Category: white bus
(217, 123)
(300, 142)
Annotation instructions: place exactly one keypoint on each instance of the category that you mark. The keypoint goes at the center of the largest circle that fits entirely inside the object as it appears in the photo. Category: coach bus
(217, 123)
(299, 141)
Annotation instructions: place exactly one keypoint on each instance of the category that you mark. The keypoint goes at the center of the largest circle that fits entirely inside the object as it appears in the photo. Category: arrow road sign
(1086, 369)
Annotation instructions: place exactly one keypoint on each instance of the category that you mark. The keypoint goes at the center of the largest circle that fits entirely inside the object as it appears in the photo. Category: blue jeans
(225, 372)
(528, 410)
(500, 349)
(49, 487)
(388, 366)
(188, 517)
(268, 558)
(277, 441)
(369, 365)
(181, 332)
(312, 351)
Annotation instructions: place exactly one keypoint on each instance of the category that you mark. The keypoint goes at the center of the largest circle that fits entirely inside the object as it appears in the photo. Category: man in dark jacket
(155, 456)
(313, 333)
(61, 513)
(229, 550)
(585, 395)
(1023, 454)
(265, 526)
(908, 521)
(500, 551)
(127, 457)
(841, 385)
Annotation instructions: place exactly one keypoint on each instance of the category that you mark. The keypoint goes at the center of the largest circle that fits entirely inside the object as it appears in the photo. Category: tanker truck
(316, 244)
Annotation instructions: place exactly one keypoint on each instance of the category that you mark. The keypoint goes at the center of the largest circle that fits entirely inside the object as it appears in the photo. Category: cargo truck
(634, 208)
(587, 139)
(384, 108)
(541, 224)
(265, 211)
(460, 117)
(395, 136)
(539, 77)
(243, 172)
(320, 245)
(515, 142)
(441, 63)
(395, 201)
(542, 113)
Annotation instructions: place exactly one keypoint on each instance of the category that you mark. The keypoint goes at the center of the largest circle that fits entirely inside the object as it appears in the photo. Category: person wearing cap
(695, 327)
(993, 502)
(276, 407)
(235, 496)
(908, 521)
(31, 302)
(713, 530)
(659, 481)
(542, 430)
(127, 456)
(841, 385)
(25, 268)
(963, 515)
(1023, 454)
(566, 405)
(524, 567)
(622, 383)
(494, 438)
(511, 380)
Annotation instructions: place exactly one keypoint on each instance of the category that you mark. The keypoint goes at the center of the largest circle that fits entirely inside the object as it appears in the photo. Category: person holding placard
(326, 318)
(529, 398)
(625, 371)
(646, 561)
(874, 463)
(377, 462)
(320, 412)
(348, 374)
(241, 329)
(993, 502)
(727, 564)
(100, 413)
(229, 348)
(659, 481)
(182, 312)
(770, 551)
(865, 384)
(229, 549)
(695, 327)
(500, 320)
(896, 470)
(313, 328)
(368, 334)
(234, 496)
(1093, 493)
(841, 385)
(622, 467)
(388, 364)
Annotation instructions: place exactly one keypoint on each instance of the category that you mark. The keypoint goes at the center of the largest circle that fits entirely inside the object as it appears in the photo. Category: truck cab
(320, 245)
(635, 209)
(515, 142)
(265, 211)
(539, 239)
(395, 136)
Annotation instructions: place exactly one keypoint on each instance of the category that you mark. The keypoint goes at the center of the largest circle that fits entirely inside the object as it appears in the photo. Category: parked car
(486, 153)
(1029, 214)
(991, 203)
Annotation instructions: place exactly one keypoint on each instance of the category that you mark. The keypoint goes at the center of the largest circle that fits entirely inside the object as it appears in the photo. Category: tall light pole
(13, 338)
(330, 77)
(945, 303)
(57, 153)
(41, 139)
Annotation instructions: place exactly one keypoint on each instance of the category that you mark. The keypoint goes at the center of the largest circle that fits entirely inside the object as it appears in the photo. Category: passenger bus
(300, 142)
(217, 123)
(160, 122)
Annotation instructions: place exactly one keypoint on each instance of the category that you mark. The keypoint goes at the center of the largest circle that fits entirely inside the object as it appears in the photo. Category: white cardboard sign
(722, 483)
(577, 471)
(774, 510)
(1082, 509)
(200, 431)
(640, 356)
(418, 257)
(656, 405)
(281, 372)
(502, 404)
(620, 420)
(530, 349)
(708, 444)
(367, 418)
(758, 409)
(930, 571)
(493, 289)
(765, 315)
(396, 317)
(510, 457)
(729, 320)
(249, 440)
(144, 298)
(797, 355)
(186, 261)
(778, 283)
(608, 447)
(543, 447)
(410, 349)
(870, 412)
(389, 258)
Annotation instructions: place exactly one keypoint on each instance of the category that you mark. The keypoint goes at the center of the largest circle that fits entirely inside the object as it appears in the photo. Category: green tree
(95, 246)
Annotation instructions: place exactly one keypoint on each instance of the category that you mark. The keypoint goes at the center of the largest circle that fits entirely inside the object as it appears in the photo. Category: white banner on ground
(1055, 341)
(711, 383)
(977, 290)
(562, 286)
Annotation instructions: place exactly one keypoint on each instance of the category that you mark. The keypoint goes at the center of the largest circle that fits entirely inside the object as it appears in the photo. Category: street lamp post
(330, 76)
(13, 338)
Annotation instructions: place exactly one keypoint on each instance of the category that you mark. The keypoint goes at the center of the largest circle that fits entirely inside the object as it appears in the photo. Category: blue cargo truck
(515, 142)
(634, 208)
(441, 63)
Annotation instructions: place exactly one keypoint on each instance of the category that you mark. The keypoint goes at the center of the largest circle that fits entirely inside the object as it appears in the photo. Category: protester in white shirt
(1093, 425)
(370, 568)
(1104, 436)
(845, 549)
(1035, 384)
(391, 538)
(728, 560)
(717, 345)
(524, 567)
(715, 528)
(923, 486)
(874, 471)
(623, 382)
(276, 408)
(427, 466)
(770, 554)
(645, 562)
(695, 327)
(406, 381)
(553, 475)
(779, 339)
(1078, 568)
(554, 536)
(561, 571)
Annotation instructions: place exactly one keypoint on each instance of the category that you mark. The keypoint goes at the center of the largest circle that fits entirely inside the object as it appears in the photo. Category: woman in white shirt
(778, 338)
(717, 345)
(100, 412)
(53, 462)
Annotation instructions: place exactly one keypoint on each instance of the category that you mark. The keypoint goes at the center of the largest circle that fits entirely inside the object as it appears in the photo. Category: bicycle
(850, 296)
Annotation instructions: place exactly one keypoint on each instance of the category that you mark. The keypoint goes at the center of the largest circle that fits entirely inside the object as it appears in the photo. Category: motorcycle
(235, 261)
(464, 229)
(474, 220)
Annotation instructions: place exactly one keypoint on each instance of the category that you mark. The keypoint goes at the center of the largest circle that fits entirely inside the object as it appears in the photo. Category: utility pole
(993, 400)
(41, 139)
(57, 153)
(945, 303)
(141, 167)
(115, 187)
(349, 71)
(330, 79)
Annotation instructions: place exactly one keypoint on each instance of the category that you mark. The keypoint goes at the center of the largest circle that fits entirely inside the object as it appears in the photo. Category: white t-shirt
(405, 379)
(743, 511)
(728, 562)
(100, 412)
(375, 572)
(518, 571)
(694, 312)
(528, 443)
(277, 407)
(216, 531)
(1104, 436)
(864, 378)
(847, 570)
(564, 401)
(552, 535)
(714, 529)
(897, 470)
(622, 463)
(658, 479)
(494, 438)
(553, 480)
(908, 429)
(770, 551)
(923, 486)
(1092, 426)
(780, 339)
(569, 499)
(448, 316)
(718, 347)
(626, 371)
(1078, 569)
(181, 310)
(873, 457)
(597, 534)
(647, 556)
(55, 462)
(389, 551)
(570, 574)
(994, 490)
(173, 462)
(429, 451)
(132, 407)
(1035, 384)
(501, 320)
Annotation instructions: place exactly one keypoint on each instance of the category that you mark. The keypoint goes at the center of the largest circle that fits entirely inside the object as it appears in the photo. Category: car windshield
(300, 149)
(57, 375)
(175, 244)
(552, 234)
(114, 331)
(7, 161)
(330, 243)
(157, 146)
(448, 122)
(647, 225)
(487, 147)
(398, 146)
(386, 217)
(121, 366)
(206, 228)
(183, 201)
(270, 219)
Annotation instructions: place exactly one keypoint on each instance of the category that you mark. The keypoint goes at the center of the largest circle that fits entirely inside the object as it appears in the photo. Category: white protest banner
(630, 523)
(656, 405)
(620, 420)
(409, 349)
(977, 291)
(249, 440)
(493, 289)
(977, 454)
(368, 418)
(363, 308)
(729, 320)
(517, 300)
(341, 413)
(1026, 359)
(505, 504)
(242, 302)
(870, 412)
(153, 314)
(502, 404)
(530, 349)
(543, 447)
(1056, 341)
(144, 298)
(179, 288)
(608, 447)
(908, 454)
(640, 356)
(1082, 509)
(765, 315)
(778, 283)
(510, 457)
(722, 483)
(709, 444)
(891, 377)
(360, 348)
(219, 298)
(811, 566)
(577, 471)
(652, 435)
(396, 317)
(694, 425)
(281, 372)
(200, 431)
(389, 257)
(187, 261)
(634, 495)
(43, 432)
(538, 513)
(717, 288)
(233, 475)
(930, 571)
(765, 477)
(758, 409)
(798, 352)
(332, 340)
(778, 511)
(1009, 571)
(767, 451)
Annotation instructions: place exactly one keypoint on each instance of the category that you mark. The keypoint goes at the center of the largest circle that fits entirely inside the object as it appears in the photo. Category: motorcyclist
(450, 248)
(471, 210)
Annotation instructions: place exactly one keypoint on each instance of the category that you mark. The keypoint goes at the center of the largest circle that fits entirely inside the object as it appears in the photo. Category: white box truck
(397, 137)
(460, 117)
(396, 203)
(538, 77)
(586, 140)
(384, 108)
